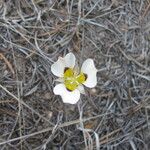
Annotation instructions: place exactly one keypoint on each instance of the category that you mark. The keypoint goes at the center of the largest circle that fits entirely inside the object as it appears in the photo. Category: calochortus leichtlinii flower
(72, 79)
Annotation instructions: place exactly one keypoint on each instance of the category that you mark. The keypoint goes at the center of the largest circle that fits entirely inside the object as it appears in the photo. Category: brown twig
(7, 62)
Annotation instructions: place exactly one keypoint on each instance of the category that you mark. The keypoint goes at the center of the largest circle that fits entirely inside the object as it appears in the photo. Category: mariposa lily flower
(72, 81)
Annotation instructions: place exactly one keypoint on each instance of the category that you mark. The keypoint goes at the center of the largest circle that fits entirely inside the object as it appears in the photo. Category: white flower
(71, 79)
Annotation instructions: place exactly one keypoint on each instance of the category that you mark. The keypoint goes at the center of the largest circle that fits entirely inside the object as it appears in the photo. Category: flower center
(72, 80)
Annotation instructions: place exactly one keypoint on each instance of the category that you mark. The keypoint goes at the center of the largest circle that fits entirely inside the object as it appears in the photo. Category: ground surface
(114, 115)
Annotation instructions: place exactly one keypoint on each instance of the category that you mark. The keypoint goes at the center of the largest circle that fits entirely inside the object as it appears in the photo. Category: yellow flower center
(72, 80)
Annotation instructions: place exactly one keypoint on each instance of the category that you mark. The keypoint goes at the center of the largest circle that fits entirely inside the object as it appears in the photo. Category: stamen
(72, 80)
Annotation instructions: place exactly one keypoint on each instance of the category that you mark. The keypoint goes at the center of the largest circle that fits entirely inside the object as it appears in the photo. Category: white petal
(89, 69)
(67, 96)
(59, 80)
(58, 67)
(81, 89)
(70, 60)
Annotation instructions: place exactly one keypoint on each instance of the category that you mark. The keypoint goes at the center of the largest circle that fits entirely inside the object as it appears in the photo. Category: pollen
(72, 80)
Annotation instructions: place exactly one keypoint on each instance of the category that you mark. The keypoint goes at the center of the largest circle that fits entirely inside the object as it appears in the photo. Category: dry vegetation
(113, 116)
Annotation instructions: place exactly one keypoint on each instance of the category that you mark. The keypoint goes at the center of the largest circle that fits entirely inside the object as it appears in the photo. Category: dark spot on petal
(86, 76)
(69, 90)
(66, 69)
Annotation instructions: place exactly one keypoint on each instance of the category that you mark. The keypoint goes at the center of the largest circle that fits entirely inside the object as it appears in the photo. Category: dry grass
(113, 116)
